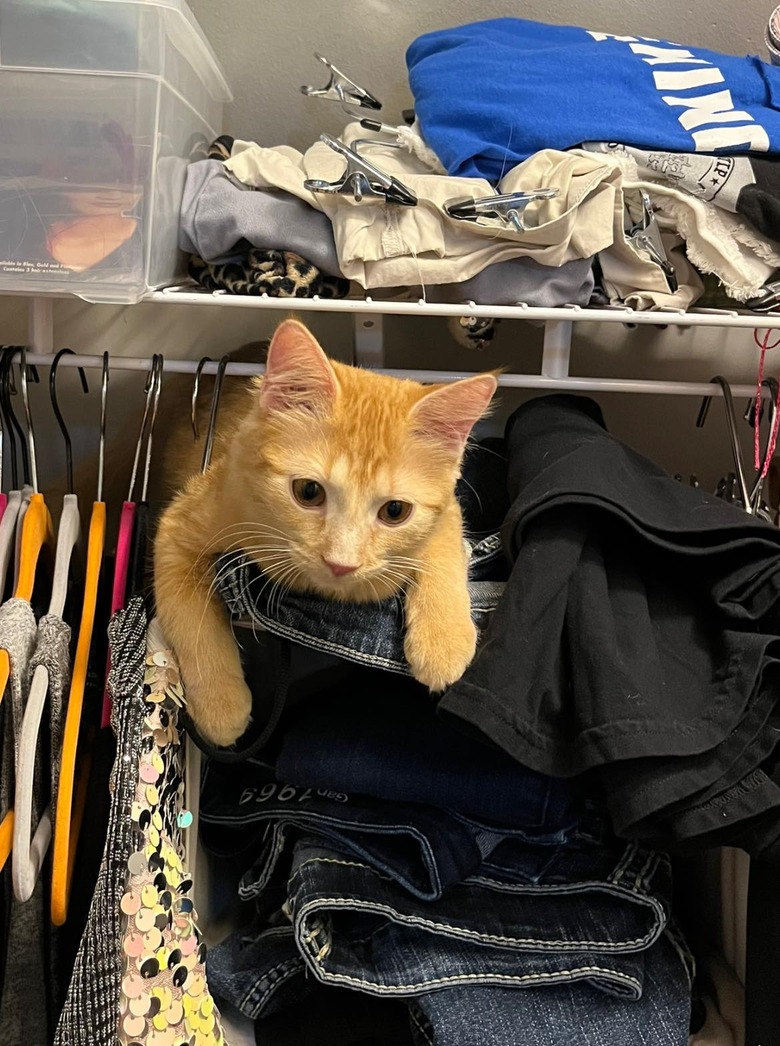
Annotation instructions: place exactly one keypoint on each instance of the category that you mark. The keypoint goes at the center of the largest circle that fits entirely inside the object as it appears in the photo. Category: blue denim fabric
(262, 974)
(259, 971)
(573, 1013)
(424, 849)
(366, 633)
(587, 916)
(379, 735)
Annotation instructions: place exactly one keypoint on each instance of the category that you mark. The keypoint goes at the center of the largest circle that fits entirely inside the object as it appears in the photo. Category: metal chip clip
(361, 178)
(507, 208)
(340, 88)
(646, 236)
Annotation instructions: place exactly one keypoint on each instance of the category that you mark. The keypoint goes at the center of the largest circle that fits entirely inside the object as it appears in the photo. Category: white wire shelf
(188, 295)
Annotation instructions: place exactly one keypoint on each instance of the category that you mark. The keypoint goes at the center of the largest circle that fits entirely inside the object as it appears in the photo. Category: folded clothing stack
(248, 208)
(552, 89)
(389, 857)
(404, 873)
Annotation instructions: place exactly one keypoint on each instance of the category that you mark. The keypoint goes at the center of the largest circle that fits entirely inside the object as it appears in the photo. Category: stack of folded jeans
(407, 880)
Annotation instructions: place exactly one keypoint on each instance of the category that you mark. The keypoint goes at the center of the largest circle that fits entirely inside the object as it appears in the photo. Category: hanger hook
(58, 413)
(148, 391)
(195, 390)
(102, 437)
(731, 424)
(215, 397)
(158, 364)
(14, 428)
(5, 412)
(28, 418)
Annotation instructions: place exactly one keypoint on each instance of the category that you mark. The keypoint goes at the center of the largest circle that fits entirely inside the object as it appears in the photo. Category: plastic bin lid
(184, 31)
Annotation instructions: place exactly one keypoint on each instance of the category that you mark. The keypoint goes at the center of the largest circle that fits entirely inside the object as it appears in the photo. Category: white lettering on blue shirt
(698, 110)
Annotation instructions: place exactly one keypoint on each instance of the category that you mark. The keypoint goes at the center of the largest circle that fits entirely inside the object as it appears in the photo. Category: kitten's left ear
(298, 374)
(449, 412)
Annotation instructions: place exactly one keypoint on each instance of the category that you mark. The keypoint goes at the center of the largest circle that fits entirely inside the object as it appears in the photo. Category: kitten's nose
(339, 569)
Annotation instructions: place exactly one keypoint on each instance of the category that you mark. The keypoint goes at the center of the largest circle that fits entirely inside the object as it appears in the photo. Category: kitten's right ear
(298, 374)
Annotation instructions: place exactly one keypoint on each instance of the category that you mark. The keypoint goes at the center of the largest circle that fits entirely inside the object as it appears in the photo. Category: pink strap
(124, 542)
(3, 503)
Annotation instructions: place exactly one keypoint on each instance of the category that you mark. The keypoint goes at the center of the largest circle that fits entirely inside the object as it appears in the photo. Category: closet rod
(513, 381)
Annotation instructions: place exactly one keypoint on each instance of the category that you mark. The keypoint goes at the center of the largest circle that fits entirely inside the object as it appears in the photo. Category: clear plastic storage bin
(103, 103)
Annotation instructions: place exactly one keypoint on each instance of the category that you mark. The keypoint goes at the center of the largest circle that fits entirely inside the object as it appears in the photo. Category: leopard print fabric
(279, 274)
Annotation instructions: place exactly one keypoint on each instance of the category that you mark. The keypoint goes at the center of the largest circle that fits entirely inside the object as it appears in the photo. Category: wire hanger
(749, 497)
(193, 755)
(215, 398)
(195, 390)
(138, 552)
(29, 851)
(71, 794)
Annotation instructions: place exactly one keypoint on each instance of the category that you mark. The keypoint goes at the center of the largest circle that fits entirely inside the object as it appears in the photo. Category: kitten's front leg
(197, 626)
(440, 636)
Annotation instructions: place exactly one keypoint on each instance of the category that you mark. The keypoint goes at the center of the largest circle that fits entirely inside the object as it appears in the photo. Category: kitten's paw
(439, 656)
(221, 710)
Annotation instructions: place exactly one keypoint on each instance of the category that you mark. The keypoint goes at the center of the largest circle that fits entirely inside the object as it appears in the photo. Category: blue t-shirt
(490, 94)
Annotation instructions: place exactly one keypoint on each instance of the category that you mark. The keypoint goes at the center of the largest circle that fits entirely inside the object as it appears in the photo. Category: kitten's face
(347, 472)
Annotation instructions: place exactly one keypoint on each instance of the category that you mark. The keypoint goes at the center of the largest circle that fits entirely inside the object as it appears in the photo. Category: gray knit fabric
(91, 1013)
(219, 214)
(52, 650)
(24, 1013)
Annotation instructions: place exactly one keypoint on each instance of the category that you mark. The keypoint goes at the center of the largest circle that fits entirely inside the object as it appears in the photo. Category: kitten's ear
(298, 374)
(448, 413)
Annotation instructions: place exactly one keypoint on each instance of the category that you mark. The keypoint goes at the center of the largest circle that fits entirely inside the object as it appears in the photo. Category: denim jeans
(422, 848)
(377, 734)
(366, 633)
(573, 1013)
(582, 913)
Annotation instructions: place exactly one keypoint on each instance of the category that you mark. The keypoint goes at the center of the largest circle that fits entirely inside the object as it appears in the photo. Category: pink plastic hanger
(124, 541)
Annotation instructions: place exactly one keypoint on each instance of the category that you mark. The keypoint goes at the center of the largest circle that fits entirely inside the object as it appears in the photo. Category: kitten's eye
(308, 492)
(395, 512)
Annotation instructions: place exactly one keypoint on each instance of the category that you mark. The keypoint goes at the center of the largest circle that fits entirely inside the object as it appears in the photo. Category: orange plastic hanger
(69, 813)
(37, 533)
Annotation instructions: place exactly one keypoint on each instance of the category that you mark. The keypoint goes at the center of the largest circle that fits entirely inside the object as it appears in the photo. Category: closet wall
(266, 49)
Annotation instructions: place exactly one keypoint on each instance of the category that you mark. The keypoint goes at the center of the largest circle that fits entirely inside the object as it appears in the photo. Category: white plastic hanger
(29, 853)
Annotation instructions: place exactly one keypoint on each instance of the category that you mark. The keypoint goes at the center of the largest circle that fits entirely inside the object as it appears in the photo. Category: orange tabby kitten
(337, 481)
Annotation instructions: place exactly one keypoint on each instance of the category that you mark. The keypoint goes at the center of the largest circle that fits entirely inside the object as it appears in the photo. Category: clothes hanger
(29, 851)
(193, 755)
(749, 497)
(27, 488)
(37, 534)
(125, 538)
(69, 813)
(14, 497)
(137, 574)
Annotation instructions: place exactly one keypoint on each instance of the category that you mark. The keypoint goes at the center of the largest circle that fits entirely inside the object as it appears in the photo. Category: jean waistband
(370, 634)
(423, 849)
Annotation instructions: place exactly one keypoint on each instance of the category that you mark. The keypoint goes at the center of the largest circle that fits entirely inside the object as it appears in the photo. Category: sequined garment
(157, 995)
(91, 1011)
(164, 999)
